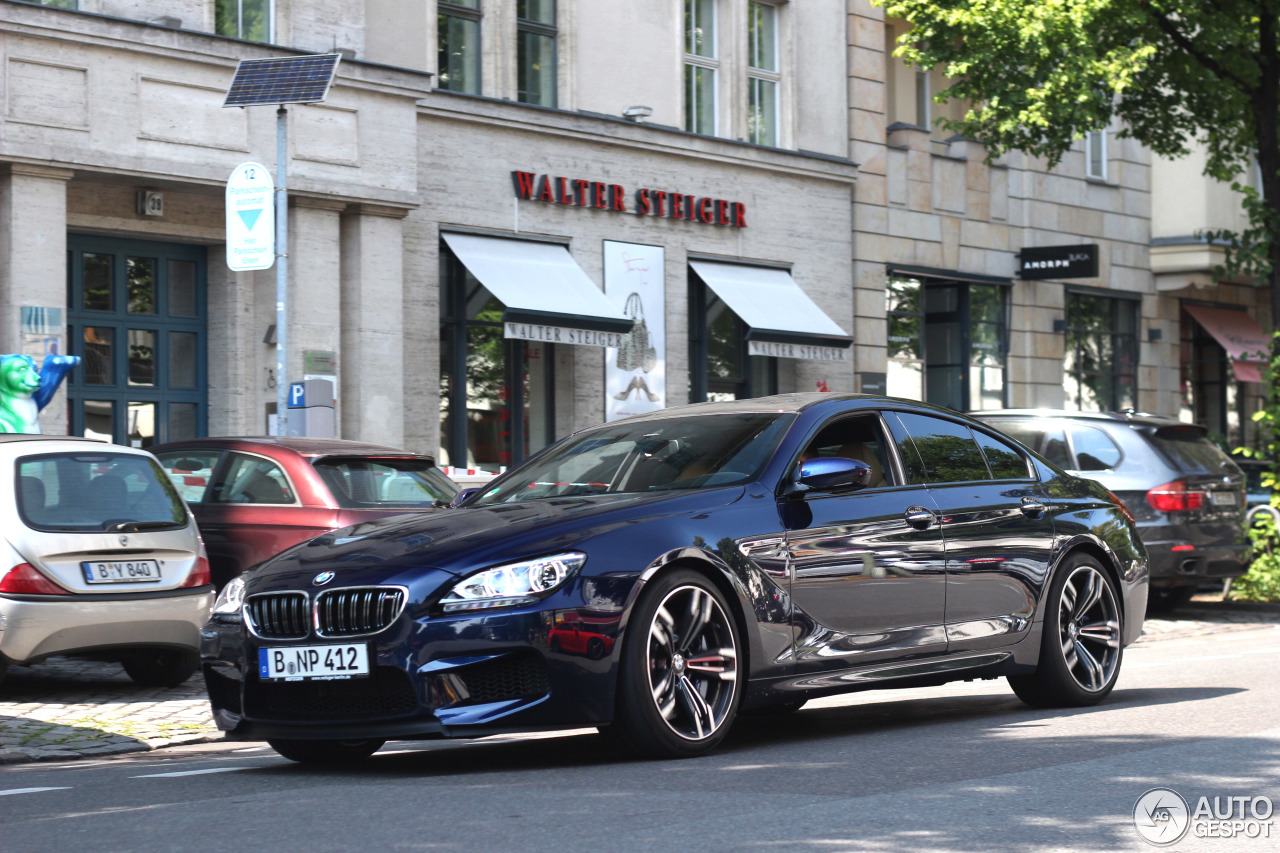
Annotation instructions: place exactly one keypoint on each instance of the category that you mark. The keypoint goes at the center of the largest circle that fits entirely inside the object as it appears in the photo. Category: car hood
(399, 549)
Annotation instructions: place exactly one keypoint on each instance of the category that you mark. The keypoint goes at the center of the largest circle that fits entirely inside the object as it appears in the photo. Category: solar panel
(282, 80)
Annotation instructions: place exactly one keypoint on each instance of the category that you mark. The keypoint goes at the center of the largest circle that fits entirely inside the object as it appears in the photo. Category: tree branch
(1212, 65)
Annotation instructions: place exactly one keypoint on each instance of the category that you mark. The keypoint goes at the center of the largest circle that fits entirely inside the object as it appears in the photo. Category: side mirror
(461, 496)
(835, 472)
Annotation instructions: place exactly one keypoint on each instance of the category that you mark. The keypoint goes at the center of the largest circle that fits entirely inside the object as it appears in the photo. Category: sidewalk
(67, 708)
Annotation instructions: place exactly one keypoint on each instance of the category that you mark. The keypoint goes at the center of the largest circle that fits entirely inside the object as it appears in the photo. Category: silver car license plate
(1223, 498)
(328, 663)
(121, 571)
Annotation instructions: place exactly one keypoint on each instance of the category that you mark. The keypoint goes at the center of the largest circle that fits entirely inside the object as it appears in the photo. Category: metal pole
(282, 269)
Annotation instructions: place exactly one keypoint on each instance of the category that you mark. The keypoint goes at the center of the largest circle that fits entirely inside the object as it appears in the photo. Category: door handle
(1032, 508)
(918, 517)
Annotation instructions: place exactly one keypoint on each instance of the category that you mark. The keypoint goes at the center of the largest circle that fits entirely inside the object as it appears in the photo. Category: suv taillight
(1175, 497)
(199, 575)
(23, 579)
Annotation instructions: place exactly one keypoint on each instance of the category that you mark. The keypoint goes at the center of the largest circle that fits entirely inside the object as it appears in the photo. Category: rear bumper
(34, 627)
(1177, 568)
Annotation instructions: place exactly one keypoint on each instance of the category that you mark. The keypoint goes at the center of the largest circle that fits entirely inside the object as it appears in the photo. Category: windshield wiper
(139, 526)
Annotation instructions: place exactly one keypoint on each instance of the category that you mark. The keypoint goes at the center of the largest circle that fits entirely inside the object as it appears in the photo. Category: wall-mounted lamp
(1059, 325)
(637, 112)
(1154, 335)
(270, 337)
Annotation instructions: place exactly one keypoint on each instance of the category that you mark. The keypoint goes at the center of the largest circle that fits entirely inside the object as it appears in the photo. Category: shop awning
(781, 318)
(546, 294)
(1246, 344)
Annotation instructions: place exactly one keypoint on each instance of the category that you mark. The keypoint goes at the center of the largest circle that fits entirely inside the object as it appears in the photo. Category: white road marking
(31, 790)
(189, 773)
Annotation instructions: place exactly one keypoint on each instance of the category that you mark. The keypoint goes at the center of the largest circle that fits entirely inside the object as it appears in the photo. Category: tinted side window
(911, 463)
(1095, 451)
(1048, 438)
(854, 438)
(252, 480)
(947, 449)
(1005, 462)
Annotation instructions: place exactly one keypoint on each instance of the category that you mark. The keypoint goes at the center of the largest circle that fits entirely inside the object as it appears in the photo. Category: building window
(700, 66)
(536, 52)
(1101, 353)
(58, 4)
(1211, 395)
(762, 73)
(948, 342)
(496, 401)
(243, 19)
(458, 54)
(720, 368)
(1095, 154)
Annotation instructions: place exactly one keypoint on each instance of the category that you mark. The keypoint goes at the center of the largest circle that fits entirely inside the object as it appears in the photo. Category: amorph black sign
(1059, 262)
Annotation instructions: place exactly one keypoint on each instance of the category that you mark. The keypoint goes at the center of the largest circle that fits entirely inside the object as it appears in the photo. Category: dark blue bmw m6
(658, 575)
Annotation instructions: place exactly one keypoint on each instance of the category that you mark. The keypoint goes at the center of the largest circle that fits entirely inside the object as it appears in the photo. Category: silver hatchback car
(99, 556)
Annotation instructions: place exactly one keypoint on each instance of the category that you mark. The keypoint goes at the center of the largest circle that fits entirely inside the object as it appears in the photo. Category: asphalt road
(964, 767)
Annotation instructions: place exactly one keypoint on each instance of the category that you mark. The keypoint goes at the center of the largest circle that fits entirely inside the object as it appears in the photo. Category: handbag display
(635, 352)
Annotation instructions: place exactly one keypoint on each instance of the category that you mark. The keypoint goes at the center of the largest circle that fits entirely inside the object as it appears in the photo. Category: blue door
(137, 320)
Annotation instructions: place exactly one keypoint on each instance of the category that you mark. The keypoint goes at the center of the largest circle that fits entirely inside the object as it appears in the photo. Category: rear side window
(190, 471)
(252, 480)
(1187, 449)
(358, 482)
(1046, 437)
(86, 492)
(947, 449)
(1005, 462)
(1095, 451)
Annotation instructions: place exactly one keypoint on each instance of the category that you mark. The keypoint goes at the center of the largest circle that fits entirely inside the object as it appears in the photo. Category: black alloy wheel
(678, 689)
(326, 751)
(1080, 650)
(160, 667)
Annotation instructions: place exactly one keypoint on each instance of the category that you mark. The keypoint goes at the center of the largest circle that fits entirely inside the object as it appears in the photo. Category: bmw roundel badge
(322, 578)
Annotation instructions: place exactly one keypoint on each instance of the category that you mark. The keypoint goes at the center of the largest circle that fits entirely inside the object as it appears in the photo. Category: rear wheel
(1162, 599)
(326, 751)
(161, 667)
(678, 688)
(1081, 649)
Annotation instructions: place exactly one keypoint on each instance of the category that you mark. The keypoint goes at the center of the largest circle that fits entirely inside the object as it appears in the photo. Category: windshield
(369, 483)
(695, 452)
(86, 492)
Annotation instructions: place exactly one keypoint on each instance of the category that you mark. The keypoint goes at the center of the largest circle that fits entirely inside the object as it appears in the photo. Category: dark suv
(1187, 496)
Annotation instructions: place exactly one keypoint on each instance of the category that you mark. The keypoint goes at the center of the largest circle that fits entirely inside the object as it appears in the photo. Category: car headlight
(230, 599)
(512, 584)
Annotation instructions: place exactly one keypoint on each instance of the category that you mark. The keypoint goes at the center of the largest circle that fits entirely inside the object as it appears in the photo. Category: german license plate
(1223, 498)
(121, 571)
(325, 663)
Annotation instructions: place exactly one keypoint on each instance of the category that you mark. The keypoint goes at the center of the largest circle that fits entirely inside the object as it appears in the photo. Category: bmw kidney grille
(350, 612)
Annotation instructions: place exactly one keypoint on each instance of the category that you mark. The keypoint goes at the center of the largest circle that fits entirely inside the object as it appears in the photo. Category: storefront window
(947, 342)
(1211, 396)
(243, 19)
(720, 367)
(484, 423)
(458, 43)
(762, 74)
(536, 52)
(1101, 353)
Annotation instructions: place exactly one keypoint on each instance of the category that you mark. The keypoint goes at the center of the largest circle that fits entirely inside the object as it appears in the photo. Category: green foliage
(1262, 582)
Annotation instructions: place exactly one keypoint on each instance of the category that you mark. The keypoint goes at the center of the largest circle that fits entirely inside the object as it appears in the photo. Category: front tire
(679, 683)
(161, 667)
(326, 751)
(1080, 650)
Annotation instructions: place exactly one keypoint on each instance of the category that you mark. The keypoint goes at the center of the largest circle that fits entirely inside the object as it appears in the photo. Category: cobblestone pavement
(67, 708)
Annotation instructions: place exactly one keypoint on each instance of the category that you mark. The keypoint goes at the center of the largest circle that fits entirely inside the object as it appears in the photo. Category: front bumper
(453, 676)
(34, 627)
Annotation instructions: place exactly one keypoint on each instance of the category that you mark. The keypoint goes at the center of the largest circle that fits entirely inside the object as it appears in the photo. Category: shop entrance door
(137, 320)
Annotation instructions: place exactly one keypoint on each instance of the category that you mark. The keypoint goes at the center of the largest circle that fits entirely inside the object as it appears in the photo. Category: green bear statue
(26, 389)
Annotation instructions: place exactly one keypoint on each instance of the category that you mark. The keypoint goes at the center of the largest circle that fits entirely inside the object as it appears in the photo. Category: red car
(576, 634)
(253, 497)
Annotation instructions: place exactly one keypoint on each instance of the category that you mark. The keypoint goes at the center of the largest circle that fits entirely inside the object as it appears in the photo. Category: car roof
(792, 404)
(29, 436)
(301, 445)
(1127, 417)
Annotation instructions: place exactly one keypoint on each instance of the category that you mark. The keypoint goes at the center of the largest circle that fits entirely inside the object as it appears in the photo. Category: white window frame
(271, 21)
(1095, 170)
(766, 75)
(710, 63)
